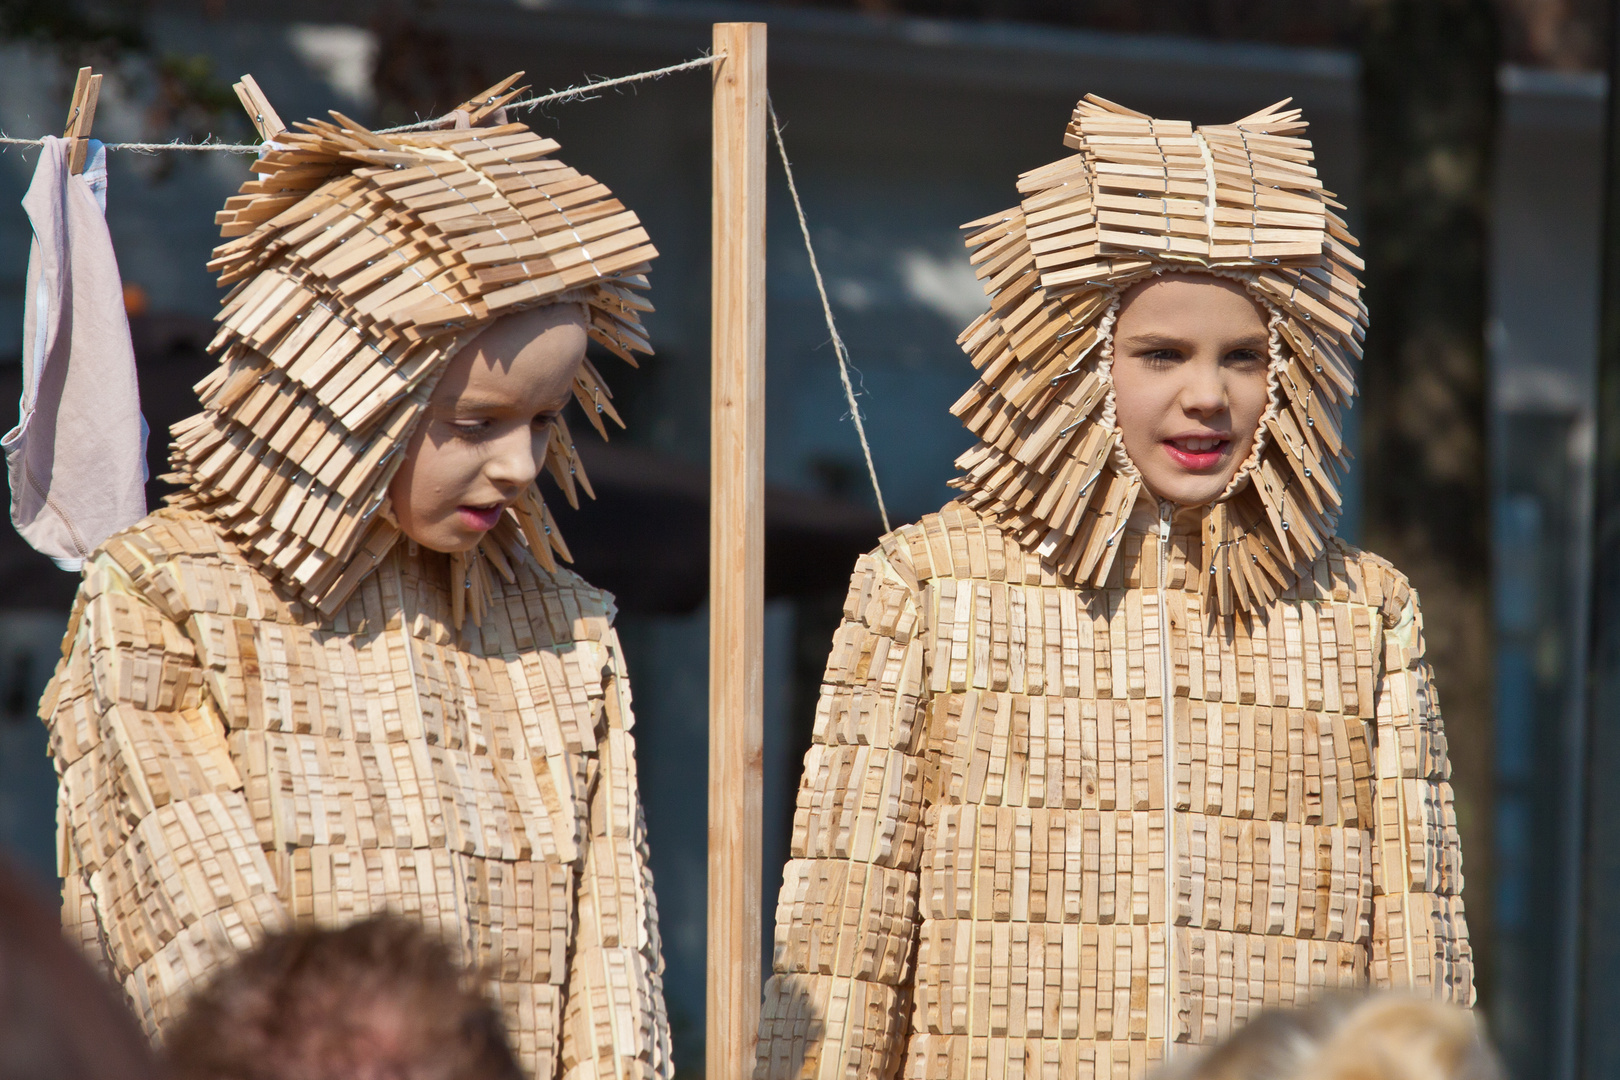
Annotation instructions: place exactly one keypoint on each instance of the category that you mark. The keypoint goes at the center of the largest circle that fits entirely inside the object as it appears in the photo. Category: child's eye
(470, 429)
(1161, 357)
(1245, 356)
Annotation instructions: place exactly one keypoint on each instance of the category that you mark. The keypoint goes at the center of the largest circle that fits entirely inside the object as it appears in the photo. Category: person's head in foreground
(1173, 316)
(398, 346)
(375, 1000)
(59, 1018)
(1383, 1037)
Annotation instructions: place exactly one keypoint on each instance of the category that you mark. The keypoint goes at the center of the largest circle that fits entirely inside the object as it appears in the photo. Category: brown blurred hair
(1383, 1037)
(376, 1000)
(59, 1018)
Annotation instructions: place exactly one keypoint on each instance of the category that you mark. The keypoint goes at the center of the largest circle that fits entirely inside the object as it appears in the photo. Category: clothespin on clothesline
(477, 108)
(265, 119)
(81, 115)
(469, 114)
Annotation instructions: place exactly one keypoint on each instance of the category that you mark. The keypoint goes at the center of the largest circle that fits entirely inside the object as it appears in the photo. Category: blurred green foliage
(180, 95)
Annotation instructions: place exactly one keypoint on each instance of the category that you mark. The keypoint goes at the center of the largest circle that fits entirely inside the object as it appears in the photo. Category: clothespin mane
(265, 119)
(81, 115)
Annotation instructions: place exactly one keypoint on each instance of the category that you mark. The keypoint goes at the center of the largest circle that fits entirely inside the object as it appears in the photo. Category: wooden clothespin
(81, 115)
(265, 119)
(480, 105)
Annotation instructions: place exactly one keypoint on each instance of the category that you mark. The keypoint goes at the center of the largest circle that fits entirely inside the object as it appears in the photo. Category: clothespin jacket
(265, 119)
(81, 115)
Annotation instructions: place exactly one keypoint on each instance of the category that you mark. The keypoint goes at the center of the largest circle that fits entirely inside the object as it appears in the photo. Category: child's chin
(1195, 489)
(449, 541)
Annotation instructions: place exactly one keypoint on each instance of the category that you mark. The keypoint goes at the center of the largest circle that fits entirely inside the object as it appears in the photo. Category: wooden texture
(230, 765)
(359, 264)
(266, 121)
(1142, 196)
(995, 870)
(737, 550)
(1094, 776)
(273, 709)
(81, 117)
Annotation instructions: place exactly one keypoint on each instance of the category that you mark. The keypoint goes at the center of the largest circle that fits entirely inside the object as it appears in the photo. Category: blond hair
(1385, 1037)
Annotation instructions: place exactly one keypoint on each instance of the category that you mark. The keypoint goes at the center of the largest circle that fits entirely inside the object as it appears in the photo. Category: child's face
(482, 439)
(1190, 360)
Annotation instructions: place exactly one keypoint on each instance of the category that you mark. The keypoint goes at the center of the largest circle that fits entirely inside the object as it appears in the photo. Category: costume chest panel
(1058, 641)
(1053, 697)
(394, 740)
(1046, 783)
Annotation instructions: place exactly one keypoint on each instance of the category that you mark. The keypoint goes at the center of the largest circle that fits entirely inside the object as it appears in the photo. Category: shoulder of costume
(179, 561)
(954, 541)
(1346, 573)
(566, 586)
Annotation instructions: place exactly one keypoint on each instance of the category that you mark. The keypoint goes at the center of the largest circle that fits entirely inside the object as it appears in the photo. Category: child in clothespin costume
(342, 672)
(1124, 744)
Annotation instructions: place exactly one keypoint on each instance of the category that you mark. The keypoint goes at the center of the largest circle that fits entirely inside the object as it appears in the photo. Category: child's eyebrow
(473, 403)
(1156, 339)
(1153, 339)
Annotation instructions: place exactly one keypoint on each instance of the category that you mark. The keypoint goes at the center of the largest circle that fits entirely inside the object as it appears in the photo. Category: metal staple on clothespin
(265, 119)
(81, 115)
(490, 101)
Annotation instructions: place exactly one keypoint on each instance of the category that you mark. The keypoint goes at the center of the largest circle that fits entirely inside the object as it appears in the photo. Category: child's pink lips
(1197, 460)
(481, 518)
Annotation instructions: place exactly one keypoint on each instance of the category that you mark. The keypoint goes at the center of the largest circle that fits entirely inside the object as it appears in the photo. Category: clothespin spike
(81, 115)
(265, 119)
(482, 104)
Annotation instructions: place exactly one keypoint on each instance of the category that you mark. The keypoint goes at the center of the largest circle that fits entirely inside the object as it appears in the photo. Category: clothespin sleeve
(81, 116)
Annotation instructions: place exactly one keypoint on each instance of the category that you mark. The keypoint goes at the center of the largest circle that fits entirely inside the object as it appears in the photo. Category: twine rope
(826, 310)
(152, 147)
(581, 92)
(584, 92)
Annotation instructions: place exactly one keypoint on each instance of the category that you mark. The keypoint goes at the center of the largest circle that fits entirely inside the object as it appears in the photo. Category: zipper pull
(1164, 522)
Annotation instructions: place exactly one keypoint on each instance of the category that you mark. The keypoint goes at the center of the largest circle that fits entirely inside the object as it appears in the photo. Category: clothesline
(572, 93)
(581, 92)
(826, 311)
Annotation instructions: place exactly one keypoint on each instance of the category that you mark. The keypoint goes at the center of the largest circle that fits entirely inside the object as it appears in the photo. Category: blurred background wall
(903, 119)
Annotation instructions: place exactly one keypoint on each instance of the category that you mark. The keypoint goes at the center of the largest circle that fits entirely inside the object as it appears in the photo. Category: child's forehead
(510, 334)
(1186, 281)
(519, 359)
(1181, 296)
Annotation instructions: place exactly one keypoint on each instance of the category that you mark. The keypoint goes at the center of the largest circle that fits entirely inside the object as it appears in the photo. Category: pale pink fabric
(77, 457)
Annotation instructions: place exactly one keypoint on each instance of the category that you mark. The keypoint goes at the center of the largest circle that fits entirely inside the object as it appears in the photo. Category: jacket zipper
(1167, 734)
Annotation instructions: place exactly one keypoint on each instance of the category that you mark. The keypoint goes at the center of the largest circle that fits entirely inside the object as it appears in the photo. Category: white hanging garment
(77, 457)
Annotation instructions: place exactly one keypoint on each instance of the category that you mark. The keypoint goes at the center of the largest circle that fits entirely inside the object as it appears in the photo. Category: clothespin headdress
(1139, 197)
(360, 263)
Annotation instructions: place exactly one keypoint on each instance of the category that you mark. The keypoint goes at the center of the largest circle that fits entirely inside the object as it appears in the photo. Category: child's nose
(1205, 391)
(516, 461)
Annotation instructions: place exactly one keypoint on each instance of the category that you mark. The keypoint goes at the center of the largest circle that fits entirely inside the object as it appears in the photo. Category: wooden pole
(736, 550)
